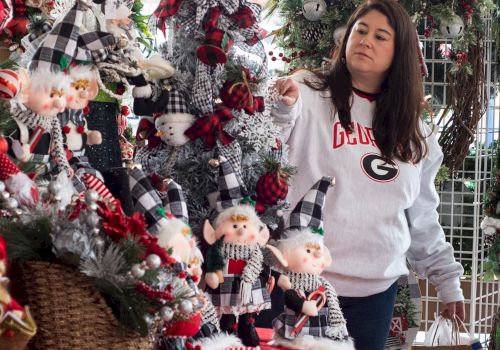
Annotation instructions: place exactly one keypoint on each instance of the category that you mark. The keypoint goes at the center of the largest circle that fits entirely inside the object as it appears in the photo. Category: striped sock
(92, 182)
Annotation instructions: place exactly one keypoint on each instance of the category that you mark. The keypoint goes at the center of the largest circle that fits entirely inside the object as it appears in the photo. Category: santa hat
(146, 200)
(64, 43)
(308, 213)
(17, 182)
(231, 188)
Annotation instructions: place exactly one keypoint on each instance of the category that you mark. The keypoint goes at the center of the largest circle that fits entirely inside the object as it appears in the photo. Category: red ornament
(271, 187)
(182, 274)
(235, 95)
(86, 110)
(125, 111)
(4, 145)
(18, 26)
(80, 129)
(66, 129)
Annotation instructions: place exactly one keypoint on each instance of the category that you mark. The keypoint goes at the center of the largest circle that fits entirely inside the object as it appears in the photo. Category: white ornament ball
(452, 28)
(11, 203)
(2, 186)
(313, 10)
(91, 196)
(4, 195)
(92, 220)
(99, 242)
(186, 306)
(171, 128)
(137, 271)
(166, 313)
(54, 188)
(153, 261)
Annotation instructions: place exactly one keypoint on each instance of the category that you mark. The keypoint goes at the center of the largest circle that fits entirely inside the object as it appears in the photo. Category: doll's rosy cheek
(46, 106)
(252, 237)
(304, 260)
(70, 98)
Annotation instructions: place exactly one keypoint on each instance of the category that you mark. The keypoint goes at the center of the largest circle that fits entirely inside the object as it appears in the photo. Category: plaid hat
(308, 213)
(168, 102)
(231, 189)
(176, 201)
(146, 200)
(64, 43)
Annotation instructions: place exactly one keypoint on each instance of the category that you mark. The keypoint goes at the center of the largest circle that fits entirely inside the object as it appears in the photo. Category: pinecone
(313, 32)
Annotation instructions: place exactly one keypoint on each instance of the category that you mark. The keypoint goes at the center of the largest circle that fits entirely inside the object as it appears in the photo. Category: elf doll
(236, 276)
(76, 136)
(312, 318)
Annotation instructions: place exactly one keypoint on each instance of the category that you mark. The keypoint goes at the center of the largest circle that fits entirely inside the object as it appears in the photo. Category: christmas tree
(221, 78)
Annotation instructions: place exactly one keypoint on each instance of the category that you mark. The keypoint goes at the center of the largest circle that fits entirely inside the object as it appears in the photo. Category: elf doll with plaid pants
(236, 276)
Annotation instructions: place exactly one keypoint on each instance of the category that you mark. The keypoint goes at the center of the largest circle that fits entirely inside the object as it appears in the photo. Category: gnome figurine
(236, 275)
(312, 318)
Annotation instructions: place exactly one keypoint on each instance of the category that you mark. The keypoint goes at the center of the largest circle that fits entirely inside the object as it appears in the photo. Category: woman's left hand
(455, 308)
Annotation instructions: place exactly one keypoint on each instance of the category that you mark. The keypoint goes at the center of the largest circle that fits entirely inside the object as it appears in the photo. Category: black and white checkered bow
(308, 213)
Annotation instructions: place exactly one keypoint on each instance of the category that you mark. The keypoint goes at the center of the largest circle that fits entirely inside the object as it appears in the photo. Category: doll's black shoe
(246, 330)
(228, 324)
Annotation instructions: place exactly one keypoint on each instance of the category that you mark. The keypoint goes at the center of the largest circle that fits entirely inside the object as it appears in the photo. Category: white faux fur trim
(142, 91)
(297, 238)
(221, 341)
(169, 230)
(175, 118)
(81, 72)
(40, 80)
(23, 187)
(312, 343)
(157, 68)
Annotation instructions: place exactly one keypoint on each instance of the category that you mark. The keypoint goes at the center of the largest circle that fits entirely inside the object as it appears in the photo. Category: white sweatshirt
(377, 215)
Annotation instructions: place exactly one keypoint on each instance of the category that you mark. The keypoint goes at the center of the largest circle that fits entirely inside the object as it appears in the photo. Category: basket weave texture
(70, 313)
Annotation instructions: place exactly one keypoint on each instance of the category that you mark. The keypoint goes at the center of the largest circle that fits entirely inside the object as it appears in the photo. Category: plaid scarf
(51, 124)
(254, 258)
(308, 282)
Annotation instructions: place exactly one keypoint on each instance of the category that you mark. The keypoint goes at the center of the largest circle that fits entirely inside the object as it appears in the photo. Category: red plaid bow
(210, 127)
(257, 106)
(244, 17)
(165, 9)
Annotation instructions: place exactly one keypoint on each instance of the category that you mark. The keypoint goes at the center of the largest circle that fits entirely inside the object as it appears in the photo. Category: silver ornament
(11, 203)
(452, 28)
(313, 10)
(99, 242)
(4, 195)
(153, 261)
(92, 220)
(149, 320)
(91, 196)
(2, 186)
(166, 313)
(92, 206)
(54, 188)
(186, 306)
(137, 271)
(95, 231)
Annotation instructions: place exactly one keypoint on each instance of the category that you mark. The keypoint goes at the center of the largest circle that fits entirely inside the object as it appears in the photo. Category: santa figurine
(16, 324)
(312, 318)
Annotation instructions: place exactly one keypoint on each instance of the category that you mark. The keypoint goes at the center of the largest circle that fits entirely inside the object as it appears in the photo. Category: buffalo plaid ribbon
(210, 127)
(165, 9)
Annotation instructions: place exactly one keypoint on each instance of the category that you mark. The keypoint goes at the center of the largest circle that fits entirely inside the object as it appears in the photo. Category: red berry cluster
(293, 55)
(467, 5)
(125, 111)
(461, 57)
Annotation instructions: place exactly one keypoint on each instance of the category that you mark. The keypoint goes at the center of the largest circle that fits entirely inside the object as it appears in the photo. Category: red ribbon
(210, 127)
(257, 106)
(165, 9)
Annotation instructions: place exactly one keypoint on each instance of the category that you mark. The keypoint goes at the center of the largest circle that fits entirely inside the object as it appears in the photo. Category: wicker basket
(69, 312)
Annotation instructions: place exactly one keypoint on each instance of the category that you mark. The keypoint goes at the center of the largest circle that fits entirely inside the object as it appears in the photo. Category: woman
(360, 122)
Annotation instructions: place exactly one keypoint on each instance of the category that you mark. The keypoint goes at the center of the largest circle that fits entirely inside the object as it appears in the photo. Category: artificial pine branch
(30, 240)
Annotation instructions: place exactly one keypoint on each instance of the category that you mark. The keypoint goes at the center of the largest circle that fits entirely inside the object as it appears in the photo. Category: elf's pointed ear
(327, 256)
(209, 232)
(263, 235)
(25, 85)
(94, 87)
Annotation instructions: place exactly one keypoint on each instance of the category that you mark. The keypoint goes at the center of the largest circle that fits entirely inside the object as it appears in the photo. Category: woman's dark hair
(397, 114)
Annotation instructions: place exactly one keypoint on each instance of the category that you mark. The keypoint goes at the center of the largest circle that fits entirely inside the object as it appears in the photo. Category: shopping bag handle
(455, 332)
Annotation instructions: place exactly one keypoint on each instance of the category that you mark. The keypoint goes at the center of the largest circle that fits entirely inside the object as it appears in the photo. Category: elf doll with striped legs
(312, 318)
